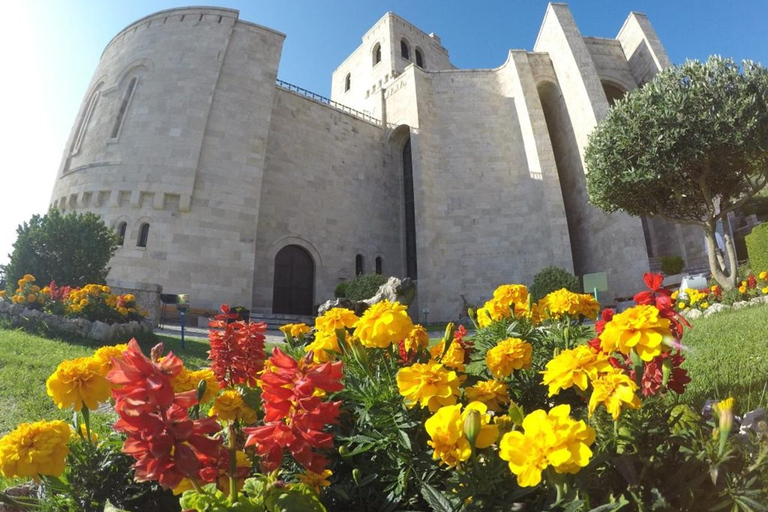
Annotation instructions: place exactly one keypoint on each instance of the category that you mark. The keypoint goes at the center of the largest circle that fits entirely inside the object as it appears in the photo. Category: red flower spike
(294, 415)
(653, 374)
(237, 349)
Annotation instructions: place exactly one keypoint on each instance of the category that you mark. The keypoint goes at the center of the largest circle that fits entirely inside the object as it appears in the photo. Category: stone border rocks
(693, 314)
(19, 316)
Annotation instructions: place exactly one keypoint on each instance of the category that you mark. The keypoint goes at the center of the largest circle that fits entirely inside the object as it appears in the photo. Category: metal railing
(327, 101)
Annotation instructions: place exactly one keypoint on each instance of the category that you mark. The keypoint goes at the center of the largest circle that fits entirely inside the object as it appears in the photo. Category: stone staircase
(275, 321)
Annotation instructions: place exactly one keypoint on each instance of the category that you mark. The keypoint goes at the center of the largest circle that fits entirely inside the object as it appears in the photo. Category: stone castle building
(230, 185)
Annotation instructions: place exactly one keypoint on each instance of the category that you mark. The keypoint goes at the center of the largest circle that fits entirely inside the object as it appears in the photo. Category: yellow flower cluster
(229, 406)
(453, 358)
(640, 329)
(428, 384)
(695, 296)
(187, 380)
(614, 390)
(316, 480)
(492, 393)
(564, 302)
(448, 439)
(79, 382)
(507, 356)
(574, 367)
(28, 293)
(506, 298)
(297, 331)
(35, 449)
(104, 356)
(548, 439)
(382, 324)
(336, 318)
(417, 340)
(325, 346)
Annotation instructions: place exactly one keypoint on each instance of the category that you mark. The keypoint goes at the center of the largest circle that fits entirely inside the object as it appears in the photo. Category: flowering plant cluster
(693, 299)
(531, 409)
(92, 301)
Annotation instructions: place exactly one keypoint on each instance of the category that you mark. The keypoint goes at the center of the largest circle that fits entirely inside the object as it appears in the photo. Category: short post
(182, 313)
(182, 305)
(425, 312)
(594, 291)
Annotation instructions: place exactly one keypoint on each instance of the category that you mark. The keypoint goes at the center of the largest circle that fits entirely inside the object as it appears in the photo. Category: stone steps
(275, 321)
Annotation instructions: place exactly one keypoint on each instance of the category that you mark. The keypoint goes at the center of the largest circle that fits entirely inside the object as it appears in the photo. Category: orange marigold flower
(507, 356)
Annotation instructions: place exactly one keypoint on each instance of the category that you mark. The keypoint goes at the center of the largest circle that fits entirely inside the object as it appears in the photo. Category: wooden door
(294, 284)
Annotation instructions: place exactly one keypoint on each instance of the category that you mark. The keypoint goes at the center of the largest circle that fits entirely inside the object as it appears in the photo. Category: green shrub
(757, 247)
(731, 296)
(364, 286)
(341, 290)
(550, 279)
(73, 250)
(671, 265)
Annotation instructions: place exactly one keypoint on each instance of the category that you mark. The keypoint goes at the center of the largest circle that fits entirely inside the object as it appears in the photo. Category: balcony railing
(327, 101)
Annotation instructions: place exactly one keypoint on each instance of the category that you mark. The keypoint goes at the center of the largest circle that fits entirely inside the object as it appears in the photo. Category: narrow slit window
(419, 59)
(121, 232)
(358, 264)
(379, 266)
(143, 235)
(376, 54)
(348, 82)
(404, 51)
(124, 107)
(81, 129)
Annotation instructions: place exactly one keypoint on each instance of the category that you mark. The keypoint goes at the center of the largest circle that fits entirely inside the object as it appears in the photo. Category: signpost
(182, 305)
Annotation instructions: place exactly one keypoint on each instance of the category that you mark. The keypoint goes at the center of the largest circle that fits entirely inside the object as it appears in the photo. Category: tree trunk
(724, 280)
(730, 251)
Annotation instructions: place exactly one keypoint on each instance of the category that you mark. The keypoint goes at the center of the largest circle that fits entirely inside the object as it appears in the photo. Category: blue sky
(54, 47)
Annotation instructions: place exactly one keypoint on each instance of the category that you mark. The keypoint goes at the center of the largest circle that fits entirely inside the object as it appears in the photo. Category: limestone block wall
(147, 296)
(189, 153)
(328, 188)
(575, 102)
(486, 210)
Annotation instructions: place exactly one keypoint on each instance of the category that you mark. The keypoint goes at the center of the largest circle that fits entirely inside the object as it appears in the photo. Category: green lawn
(728, 356)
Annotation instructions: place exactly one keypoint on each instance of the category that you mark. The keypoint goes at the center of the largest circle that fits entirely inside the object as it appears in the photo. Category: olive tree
(72, 249)
(690, 146)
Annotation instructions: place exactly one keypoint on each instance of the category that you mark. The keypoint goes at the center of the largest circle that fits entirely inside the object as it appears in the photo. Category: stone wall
(147, 296)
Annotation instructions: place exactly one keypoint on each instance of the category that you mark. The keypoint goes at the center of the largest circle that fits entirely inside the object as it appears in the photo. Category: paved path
(201, 333)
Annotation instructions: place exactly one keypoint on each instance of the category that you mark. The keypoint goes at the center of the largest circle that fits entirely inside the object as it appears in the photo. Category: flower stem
(232, 463)
(87, 420)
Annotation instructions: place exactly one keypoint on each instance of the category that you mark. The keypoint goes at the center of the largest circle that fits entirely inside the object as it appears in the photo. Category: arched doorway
(294, 283)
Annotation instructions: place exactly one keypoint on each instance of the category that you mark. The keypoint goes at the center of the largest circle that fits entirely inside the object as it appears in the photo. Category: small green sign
(597, 281)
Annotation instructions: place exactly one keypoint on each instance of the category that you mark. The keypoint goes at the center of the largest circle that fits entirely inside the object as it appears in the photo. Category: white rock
(716, 308)
(693, 314)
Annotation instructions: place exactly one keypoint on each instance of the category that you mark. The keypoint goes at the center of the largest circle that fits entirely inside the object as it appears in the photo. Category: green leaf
(436, 500)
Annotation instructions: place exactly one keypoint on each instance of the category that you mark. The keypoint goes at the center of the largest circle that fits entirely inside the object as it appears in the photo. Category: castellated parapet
(235, 188)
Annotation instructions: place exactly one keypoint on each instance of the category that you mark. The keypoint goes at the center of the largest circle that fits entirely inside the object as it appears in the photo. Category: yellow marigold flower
(417, 339)
(454, 358)
(763, 275)
(188, 380)
(316, 480)
(548, 439)
(694, 296)
(429, 385)
(614, 390)
(34, 449)
(229, 406)
(84, 303)
(675, 294)
(681, 305)
(382, 324)
(743, 288)
(104, 356)
(446, 430)
(122, 311)
(575, 367)
(31, 297)
(509, 355)
(704, 305)
(325, 347)
(336, 318)
(492, 393)
(564, 302)
(765, 290)
(639, 328)
(2, 294)
(78, 382)
(297, 331)
(129, 297)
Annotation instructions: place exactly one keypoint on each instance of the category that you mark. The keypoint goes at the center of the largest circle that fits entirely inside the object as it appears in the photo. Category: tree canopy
(690, 146)
(72, 249)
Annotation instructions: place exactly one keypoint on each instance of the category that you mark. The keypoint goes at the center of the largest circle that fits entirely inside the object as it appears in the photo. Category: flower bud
(504, 423)
(343, 451)
(356, 475)
(201, 387)
(449, 332)
(516, 414)
(472, 425)
(724, 411)
(666, 370)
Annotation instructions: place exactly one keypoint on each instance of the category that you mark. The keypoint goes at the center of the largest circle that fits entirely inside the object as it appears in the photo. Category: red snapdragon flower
(59, 293)
(166, 444)
(653, 373)
(295, 415)
(751, 282)
(237, 349)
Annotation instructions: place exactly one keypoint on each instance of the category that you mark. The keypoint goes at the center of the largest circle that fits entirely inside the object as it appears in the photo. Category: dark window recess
(410, 214)
(419, 59)
(358, 264)
(404, 52)
(294, 283)
(121, 233)
(377, 54)
(124, 107)
(379, 265)
(348, 82)
(143, 235)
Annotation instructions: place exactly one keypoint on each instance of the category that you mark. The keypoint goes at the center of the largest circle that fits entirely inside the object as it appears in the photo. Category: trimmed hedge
(757, 248)
(671, 265)
(363, 286)
(550, 279)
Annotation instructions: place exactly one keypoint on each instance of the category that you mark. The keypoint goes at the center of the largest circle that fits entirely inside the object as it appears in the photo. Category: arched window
(82, 127)
(376, 54)
(124, 106)
(359, 264)
(404, 51)
(348, 82)
(612, 93)
(419, 58)
(121, 227)
(143, 235)
(379, 265)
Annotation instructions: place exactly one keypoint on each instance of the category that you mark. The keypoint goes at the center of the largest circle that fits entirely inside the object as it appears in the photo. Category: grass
(728, 356)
